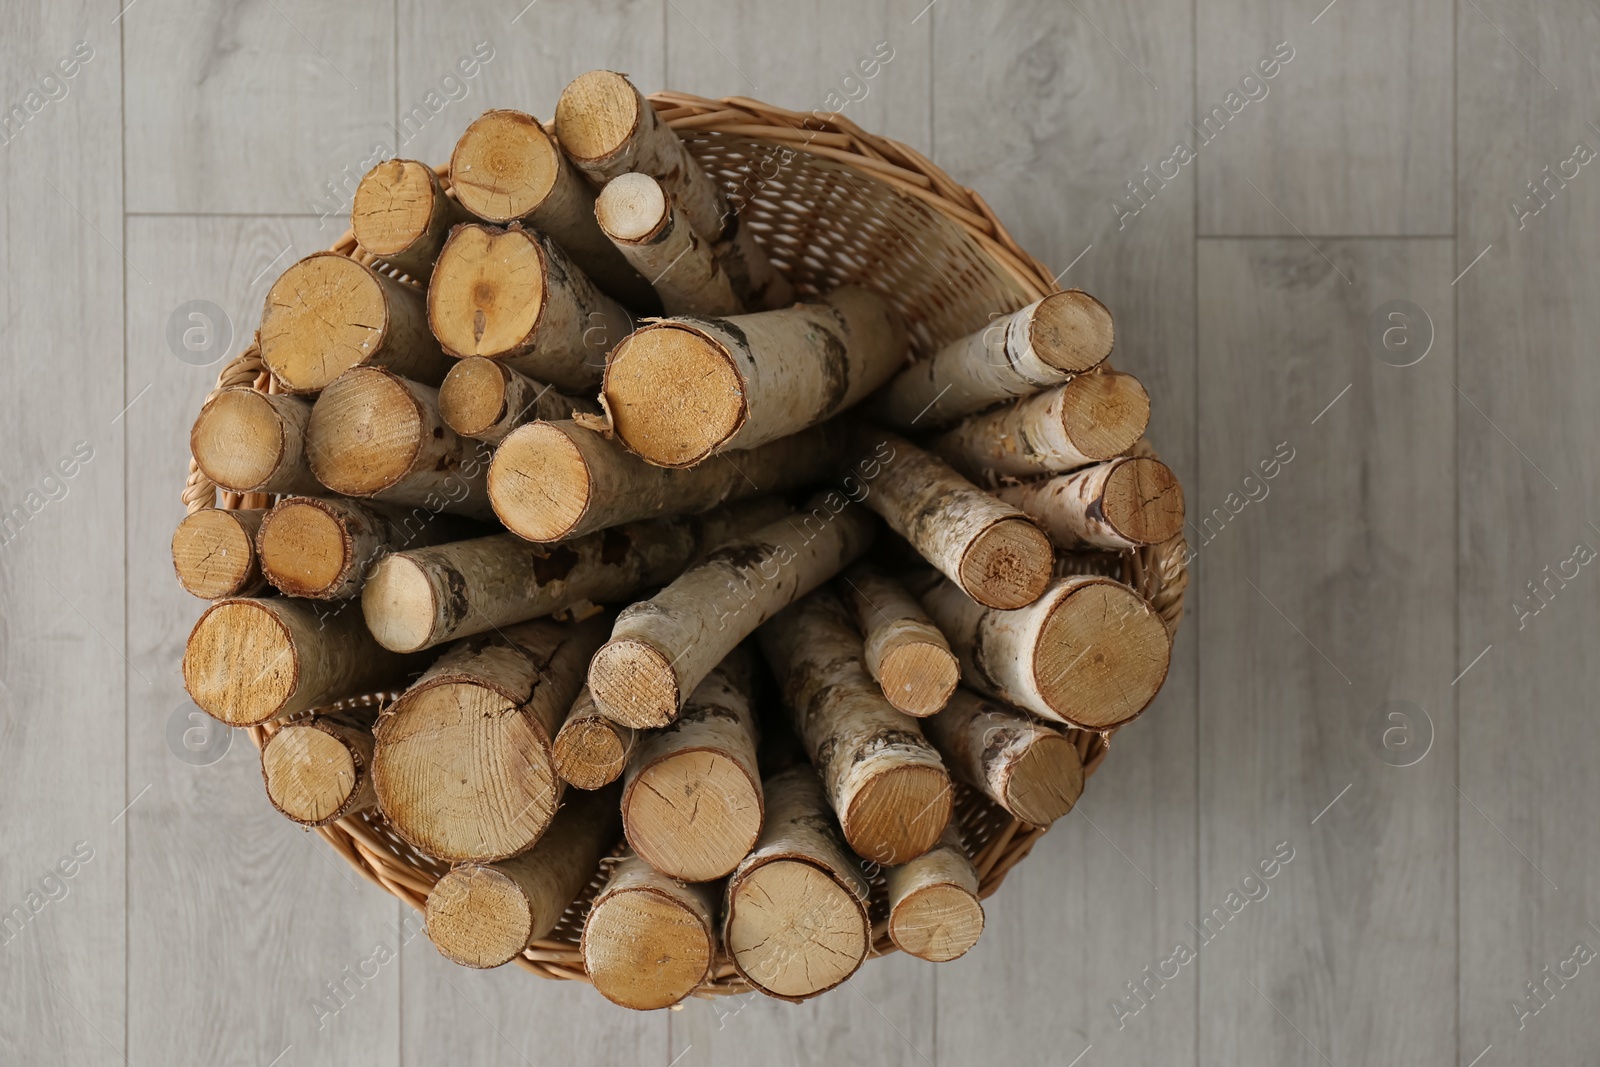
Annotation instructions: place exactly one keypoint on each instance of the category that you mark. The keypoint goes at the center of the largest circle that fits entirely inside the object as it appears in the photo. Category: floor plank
(1327, 592)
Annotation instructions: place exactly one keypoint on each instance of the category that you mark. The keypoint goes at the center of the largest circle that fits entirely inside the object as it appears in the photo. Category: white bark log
(319, 770)
(1125, 503)
(904, 650)
(655, 236)
(402, 215)
(214, 553)
(1028, 768)
(649, 940)
(484, 399)
(323, 548)
(934, 913)
(252, 442)
(591, 751)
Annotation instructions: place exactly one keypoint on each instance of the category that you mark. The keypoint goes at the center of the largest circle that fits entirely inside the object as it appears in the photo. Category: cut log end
(239, 439)
(693, 815)
(368, 430)
(311, 775)
(899, 814)
(304, 549)
(539, 483)
(1072, 331)
(487, 292)
(1008, 565)
(1046, 781)
(918, 677)
(589, 753)
(478, 917)
(644, 950)
(473, 396)
(398, 605)
(1104, 414)
(674, 394)
(598, 113)
(240, 664)
(937, 923)
(324, 315)
(632, 208)
(1143, 501)
(214, 553)
(794, 931)
(1101, 656)
(393, 206)
(633, 683)
(504, 166)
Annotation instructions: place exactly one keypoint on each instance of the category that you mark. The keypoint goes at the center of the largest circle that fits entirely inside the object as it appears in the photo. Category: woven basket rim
(1158, 572)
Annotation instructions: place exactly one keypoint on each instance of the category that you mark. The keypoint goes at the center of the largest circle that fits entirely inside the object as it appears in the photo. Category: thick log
(484, 399)
(214, 553)
(375, 434)
(402, 215)
(319, 770)
(550, 481)
(1094, 417)
(648, 228)
(464, 769)
(886, 784)
(1018, 354)
(513, 295)
(934, 912)
(328, 313)
(1028, 768)
(680, 390)
(649, 940)
(995, 553)
(424, 597)
(591, 751)
(486, 914)
(795, 921)
(324, 548)
(662, 648)
(904, 651)
(250, 661)
(691, 799)
(506, 168)
(252, 442)
(1090, 652)
(1121, 504)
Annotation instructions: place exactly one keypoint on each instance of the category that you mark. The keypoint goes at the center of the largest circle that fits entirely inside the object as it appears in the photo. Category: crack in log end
(553, 565)
(614, 545)
(835, 370)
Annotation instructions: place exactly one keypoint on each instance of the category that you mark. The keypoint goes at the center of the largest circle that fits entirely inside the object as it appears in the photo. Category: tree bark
(795, 922)
(662, 648)
(1121, 504)
(1028, 768)
(934, 913)
(319, 770)
(991, 549)
(649, 940)
(513, 295)
(1090, 652)
(484, 399)
(655, 236)
(691, 798)
(252, 442)
(904, 651)
(464, 769)
(328, 313)
(1094, 417)
(248, 661)
(214, 553)
(486, 914)
(680, 390)
(553, 480)
(506, 168)
(402, 215)
(591, 751)
(324, 548)
(1018, 354)
(375, 434)
(885, 782)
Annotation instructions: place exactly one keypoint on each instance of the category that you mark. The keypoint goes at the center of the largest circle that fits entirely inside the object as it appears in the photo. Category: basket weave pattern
(834, 206)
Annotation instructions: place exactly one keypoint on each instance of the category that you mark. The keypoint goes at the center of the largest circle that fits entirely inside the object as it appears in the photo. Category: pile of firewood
(569, 468)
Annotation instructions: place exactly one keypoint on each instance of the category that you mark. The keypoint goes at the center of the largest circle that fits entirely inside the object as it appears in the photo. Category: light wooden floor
(1385, 562)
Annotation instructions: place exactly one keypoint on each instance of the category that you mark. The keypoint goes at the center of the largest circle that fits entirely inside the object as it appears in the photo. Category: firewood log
(249, 661)
(995, 553)
(680, 390)
(485, 914)
(646, 226)
(506, 168)
(1121, 504)
(795, 918)
(319, 770)
(513, 295)
(328, 313)
(1018, 354)
(214, 553)
(649, 940)
(904, 651)
(886, 784)
(1090, 652)
(375, 434)
(1027, 767)
(550, 481)
(934, 912)
(691, 798)
(662, 648)
(1094, 417)
(463, 767)
(250, 442)
(424, 597)
(402, 215)
(484, 399)
(323, 548)
(591, 751)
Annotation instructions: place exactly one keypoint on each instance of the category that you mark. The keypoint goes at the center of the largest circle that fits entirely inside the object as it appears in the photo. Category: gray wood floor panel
(1046, 110)
(1327, 593)
(1351, 135)
(1530, 847)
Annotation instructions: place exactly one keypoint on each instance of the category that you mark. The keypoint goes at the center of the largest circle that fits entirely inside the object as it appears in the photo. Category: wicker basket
(834, 206)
